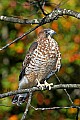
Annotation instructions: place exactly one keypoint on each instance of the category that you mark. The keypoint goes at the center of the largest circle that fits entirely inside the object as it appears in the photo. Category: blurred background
(68, 38)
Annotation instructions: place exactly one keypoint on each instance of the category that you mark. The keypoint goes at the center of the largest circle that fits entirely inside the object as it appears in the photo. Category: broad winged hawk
(41, 61)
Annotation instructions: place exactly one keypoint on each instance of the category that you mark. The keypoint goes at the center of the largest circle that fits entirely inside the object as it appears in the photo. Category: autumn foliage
(68, 37)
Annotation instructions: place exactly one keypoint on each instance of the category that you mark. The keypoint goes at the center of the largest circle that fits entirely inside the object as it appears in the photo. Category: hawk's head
(47, 32)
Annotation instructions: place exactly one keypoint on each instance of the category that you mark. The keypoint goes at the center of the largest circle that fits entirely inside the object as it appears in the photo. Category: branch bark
(54, 108)
(20, 21)
(54, 15)
(59, 86)
(18, 38)
(27, 107)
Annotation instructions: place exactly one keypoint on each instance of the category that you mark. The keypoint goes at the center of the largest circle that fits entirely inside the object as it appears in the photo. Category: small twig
(41, 7)
(27, 107)
(60, 4)
(78, 108)
(18, 38)
(65, 91)
(59, 86)
(54, 108)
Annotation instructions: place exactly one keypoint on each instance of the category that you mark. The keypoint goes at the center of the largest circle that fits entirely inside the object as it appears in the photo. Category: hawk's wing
(27, 59)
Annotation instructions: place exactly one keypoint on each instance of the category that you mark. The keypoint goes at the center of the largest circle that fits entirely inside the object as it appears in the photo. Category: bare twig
(41, 7)
(57, 108)
(54, 108)
(27, 107)
(19, 38)
(59, 86)
(78, 109)
(65, 91)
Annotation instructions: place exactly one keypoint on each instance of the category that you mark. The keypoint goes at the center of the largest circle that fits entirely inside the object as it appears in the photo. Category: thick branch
(60, 86)
(20, 21)
(54, 15)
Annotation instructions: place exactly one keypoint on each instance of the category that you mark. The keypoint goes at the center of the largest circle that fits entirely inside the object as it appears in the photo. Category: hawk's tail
(19, 99)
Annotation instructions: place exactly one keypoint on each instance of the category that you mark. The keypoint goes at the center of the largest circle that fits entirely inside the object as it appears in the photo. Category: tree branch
(65, 90)
(54, 15)
(27, 107)
(18, 38)
(54, 108)
(57, 108)
(59, 86)
(20, 21)
(78, 109)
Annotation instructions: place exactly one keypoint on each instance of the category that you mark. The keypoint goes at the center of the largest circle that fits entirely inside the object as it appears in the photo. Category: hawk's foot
(40, 85)
(48, 84)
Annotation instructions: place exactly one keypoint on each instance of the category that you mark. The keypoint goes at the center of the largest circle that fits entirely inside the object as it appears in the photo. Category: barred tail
(19, 99)
(23, 82)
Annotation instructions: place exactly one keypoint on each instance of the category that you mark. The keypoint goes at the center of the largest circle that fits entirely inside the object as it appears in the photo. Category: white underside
(23, 82)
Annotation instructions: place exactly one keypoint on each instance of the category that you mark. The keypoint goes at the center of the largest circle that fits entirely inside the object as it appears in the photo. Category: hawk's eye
(47, 33)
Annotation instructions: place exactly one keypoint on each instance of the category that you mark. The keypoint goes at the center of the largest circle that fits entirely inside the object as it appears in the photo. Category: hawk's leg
(48, 84)
(42, 86)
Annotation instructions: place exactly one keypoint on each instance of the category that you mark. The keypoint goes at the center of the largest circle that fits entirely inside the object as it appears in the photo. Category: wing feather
(27, 59)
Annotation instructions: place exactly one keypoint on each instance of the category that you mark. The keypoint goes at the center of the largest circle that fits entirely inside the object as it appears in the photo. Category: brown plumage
(42, 61)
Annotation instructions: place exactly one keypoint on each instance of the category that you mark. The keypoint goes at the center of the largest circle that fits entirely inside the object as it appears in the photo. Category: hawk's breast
(43, 59)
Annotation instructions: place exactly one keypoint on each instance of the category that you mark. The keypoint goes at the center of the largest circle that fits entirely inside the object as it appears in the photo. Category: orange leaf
(74, 57)
(47, 101)
(12, 4)
(39, 29)
(26, 5)
(77, 101)
(66, 24)
(12, 78)
(12, 45)
(55, 26)
(20, 50)
(17, 26)
(77, 38)
(13, 117)
(72, 110)
(40, 98)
